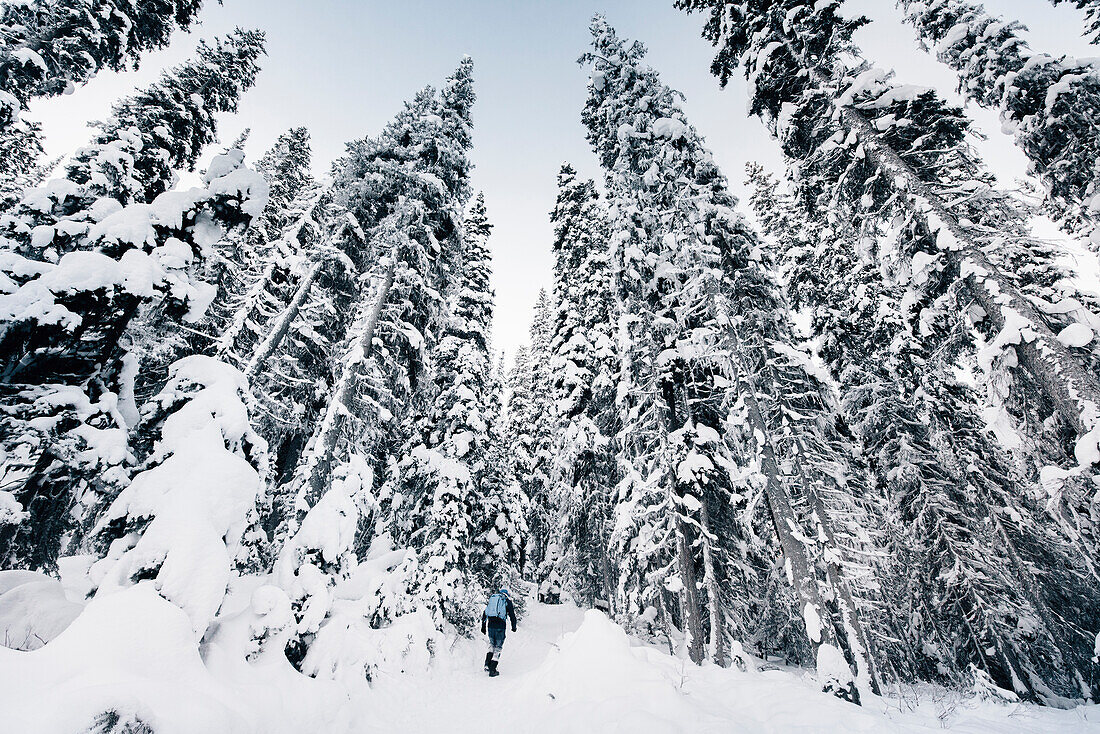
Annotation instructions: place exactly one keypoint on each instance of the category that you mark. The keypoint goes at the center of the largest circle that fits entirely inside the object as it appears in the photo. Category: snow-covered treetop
(174, 119)
(50, 46)
(286, 166)
(472, 312)
(424, 149)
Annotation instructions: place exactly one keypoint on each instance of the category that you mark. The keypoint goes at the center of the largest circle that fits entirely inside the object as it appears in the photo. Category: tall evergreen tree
(501, 519)
(405, 189)
(52, 45)
(701, 319)
(1049, 104)
(583, 366)
(534, 476)
(165, 127)
(259, 268)
(499, 506)
(520, 412)
(286, 166)
(444, 457)
(397, 205)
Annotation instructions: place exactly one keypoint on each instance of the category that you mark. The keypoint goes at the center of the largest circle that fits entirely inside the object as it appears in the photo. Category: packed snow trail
(458, 692)
(567, 671)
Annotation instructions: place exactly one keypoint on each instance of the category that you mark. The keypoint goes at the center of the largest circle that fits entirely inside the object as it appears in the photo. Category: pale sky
(344, 67)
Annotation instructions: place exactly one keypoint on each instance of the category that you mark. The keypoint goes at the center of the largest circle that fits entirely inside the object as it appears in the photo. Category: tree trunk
(332, 427)
(689, 594)
(859, 644)
(717, 648)
(282, 325)
(605, 573)
(677, 415)
(665, 621)
(800, 567)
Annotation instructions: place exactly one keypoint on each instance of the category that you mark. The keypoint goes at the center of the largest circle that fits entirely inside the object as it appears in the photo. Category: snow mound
(134, 653)
(33, 609)
(131, 652)
(596, 680)
(600, 680)
(1076, 335)
(193, 508)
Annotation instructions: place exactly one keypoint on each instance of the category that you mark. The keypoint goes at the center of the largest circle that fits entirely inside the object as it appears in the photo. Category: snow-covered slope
(565, 670)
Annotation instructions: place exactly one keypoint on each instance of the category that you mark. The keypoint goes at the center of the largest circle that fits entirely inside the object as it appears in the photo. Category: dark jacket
(498, 624)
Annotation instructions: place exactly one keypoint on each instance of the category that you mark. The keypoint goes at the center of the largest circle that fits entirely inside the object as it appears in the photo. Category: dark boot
(488, 660)
(493, 669)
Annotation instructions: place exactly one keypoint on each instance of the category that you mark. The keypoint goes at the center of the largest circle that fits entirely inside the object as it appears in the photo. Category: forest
(825, 459)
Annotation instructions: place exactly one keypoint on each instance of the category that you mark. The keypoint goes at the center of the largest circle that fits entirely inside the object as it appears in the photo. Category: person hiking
(493, 623)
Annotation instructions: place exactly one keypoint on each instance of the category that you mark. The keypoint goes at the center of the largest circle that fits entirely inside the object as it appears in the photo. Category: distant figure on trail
(493, 618)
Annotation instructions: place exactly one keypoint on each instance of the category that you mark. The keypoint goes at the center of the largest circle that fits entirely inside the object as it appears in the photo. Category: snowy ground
(564, 671)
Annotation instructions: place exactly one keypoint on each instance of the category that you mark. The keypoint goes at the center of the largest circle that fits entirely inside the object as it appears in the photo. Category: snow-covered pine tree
(672, 453)
(540, 420)
(66, 421)
(292, 308)
(183, 520)
(286, 166)
(402, 197)
(954, 499)
(445, 460)
(499, 513)
(1092, 15)
(83, 252)
(257, 266)
(397, 208)
(134, 156)
(519, 414)
(1049, 104)
(699, 321)
(20, 161)
(165, 127)
(501, 528)
(50, 46)
(583, 369)
(290, 334)
(888, 157)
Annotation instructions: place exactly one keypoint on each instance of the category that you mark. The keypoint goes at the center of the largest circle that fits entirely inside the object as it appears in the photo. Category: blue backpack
(497, 606)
